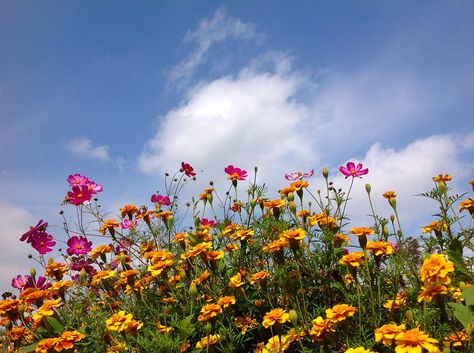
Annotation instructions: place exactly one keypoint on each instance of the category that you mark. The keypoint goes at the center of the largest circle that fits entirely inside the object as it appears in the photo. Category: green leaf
(57, 327)
(459, 263)
(30, 348)
(462, 313)
(468, 295)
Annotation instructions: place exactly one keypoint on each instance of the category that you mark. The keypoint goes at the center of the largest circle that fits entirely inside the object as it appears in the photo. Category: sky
(123, 93)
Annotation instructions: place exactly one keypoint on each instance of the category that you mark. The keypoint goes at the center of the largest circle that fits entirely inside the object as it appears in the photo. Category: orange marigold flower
(47, 308)
(276, 315)
(386, 333)
(128, 210)
(60, 286)
(9, 306)
(100, 250)
(293, 234)
(441, 178)
(340, 312)
(56, 270)
(278, 203)
(102, 275)
(360, 231)
(396, 304)
(244, 323)
(353, 259)
(163, 328)
(435, 226)
(275, 245)
(389, 194)
(134, 326)
(429, 291)
(413, 341)
(259, 276)
(379, 248)
(456, 339)
(340, 239)
(109, 225)
(226, 301)
(298, 185)
(277, 344)
(72, 336)
(287, 190)
(196, 250)
(236, 281)
(243, 234)
(210, 340)
(467, 205)
(119, 322)
(180, 237)
(16, 333)
(436, 269)
(209, 311)
(321, 328)
(215, 255)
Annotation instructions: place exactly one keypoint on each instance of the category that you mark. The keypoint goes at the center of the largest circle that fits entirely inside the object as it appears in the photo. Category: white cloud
(211, 31)
(82, 147)
(14, 259)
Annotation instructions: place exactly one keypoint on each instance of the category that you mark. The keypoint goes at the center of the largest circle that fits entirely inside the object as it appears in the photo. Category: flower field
(240, 272)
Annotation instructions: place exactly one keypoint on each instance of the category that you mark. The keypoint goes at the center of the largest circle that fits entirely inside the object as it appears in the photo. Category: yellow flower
(295, 234)
(274, 316)
(435, 226)
(340, 312)
(210, 340)
(467, 205)
(441, 178)
(276, 344)
(278, 203)
(397, 304)
(431, 290)
(358, 350)
(243, 234)
(413, 341)
(298, 185)
(386, 333)
(209, 311)
(259, 276)
(361, 231)
(244, 323)
(320, 328)
(109, 225)
(56, 270)
(100, 250)
(236, 281)
(436, 269)
(196, 250)
(389, 194)
(275, 245)
(379, 248)
(128, 210)
(456, 339)
(226, 301)
(119, 322)
(340, 239)
(353, 259)
(101, 275)
(163, 328)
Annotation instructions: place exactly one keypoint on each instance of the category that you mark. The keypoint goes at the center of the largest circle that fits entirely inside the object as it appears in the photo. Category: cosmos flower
(33, 232)
(80, 195)
(78, 246)
(235, 173)
(77, 180)
(299, 175)
(351, 170)
(43, 243)
(187, 169)
(160, 199)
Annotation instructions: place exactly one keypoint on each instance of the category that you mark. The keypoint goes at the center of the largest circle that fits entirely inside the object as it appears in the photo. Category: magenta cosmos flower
(235, 173)
(351, 170)
(160, 199)
(30, 235)
(43, 243)
(77, 180)
(80, 195)
(78, 246)
(187, 169)
(299, 175)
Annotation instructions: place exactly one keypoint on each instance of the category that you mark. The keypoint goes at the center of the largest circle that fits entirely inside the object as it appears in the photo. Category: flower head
(276, 315)
(413, 341)
(161, 200)
(77, 180)
(351, 170)
(299, 175)
(386, 333)
(78, 245)
(235, 173)
(33, 232)
(187, 169)
(80, 195)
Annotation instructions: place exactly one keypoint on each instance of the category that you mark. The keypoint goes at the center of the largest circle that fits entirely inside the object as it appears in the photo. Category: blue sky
(123, 93)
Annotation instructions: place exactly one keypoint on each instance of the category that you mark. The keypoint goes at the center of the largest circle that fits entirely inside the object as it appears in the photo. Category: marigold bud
(193, 291)
(368, 188)
(208, 328)
(325, 172)
(409, 315)
(293, 317)
(33, 273)
(290, 196)
(292, 207)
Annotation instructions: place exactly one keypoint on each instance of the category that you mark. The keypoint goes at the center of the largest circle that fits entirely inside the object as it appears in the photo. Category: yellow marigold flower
(243, 234)
(436, 269)
(389, 194)
(156, 256)
(128, 210)
(429, 291)
(321, 219)
(360, 231)
(456, 339)
(236, 281)
(59, 286)
(259, 276)
(134, 326)
(100, 250)
(358, 350)
(340, 312)
(467, 205)
(379, 248)
(48, 344)
(275, 245)
(226, 301)
(210, 340)
(72, 336)
(298, 185)
(277, 344)
(47, 308)
(101, 275)
(230, 228)
(109, 225)
(353, 259)
(348, 279)
(287, 190)
(386, 333)
(303, 213)
(340, 239)
(435, 226)
(274, 316)
(209, 311)
(215, 255)
(413, 341)
(440, 178)
(163, 328)
(397, 304)
(56, 270)
(9, 306)
(202, 278)
(244, 323)
(119, 322)
(321, 328)
(196, 250)
(293, 234)
(278, 203)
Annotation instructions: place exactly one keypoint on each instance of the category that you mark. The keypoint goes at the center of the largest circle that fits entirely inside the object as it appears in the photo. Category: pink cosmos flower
(235, 173)
(127, 224)
(34, 231)
(93, 187)
(299, 175)
(43, 243)
(41, 283)
(78, 246)
(207, 222)
(160, 199)
(77, 180)
(351, 170)
(80, 195)
(187, 169)
(19, 282)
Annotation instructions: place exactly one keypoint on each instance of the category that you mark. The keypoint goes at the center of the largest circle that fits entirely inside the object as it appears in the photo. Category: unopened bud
(208, 328)
(290, 196)
(409, 315)
(292, 207)
(325, 172)
(462, 285)
(255, 169)
(293, 317)
(33, 273)
(193, 291)
(368, 188)
(392, 218)
(393, 202)
(83, 275)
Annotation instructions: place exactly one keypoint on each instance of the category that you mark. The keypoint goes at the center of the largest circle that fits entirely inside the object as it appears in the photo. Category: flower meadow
(247, 273)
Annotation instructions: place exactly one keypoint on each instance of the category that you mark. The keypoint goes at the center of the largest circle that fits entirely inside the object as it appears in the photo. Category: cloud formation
(82, 147)
(210, 31)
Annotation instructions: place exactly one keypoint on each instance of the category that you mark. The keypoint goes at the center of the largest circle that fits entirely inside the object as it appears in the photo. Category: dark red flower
(187, 169)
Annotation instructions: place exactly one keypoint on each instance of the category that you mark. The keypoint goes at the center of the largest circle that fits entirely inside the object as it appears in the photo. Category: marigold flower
(277, 344)
(340, 312)
(456, 339)
(358, 350)
(56, 270)
(209, 311)
(351, 170)
(436, 269)
(196, 250)
(389, 194)
(467, 205)
(300, 184)
(361, 231)
(128, 210)
(187, 170)
(413, 341)
(119, 322)
(210, 340)
(435, 226)
(379, 248)
(321, 328)
(244, 323)
(276, 315)
(442, 178)
(101, 250)
(109, 225)
(353, 259)
(47, 308)
(215, 255)
(429, 291)
(275, 245)
(340, 239)
(259, 276)
(386, 333)
(163, 328)
(236, 281)
(243, 234)
(102, 275)
(278, 203)
(293, 234)
(226, 301)
(397, 303)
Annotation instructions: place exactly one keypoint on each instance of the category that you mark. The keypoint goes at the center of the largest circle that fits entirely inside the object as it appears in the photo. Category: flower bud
(409, 315)
(290, 196)
(392, 218)
(33, 273)
(462, 285)
(208, 328)
(193, 291)
(325, 172)
(368, 188)
(292, 207)
(393, 202)
(293, 317)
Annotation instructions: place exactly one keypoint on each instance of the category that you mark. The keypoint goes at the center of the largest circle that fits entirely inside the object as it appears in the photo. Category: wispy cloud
(210, 31)
(82, 147)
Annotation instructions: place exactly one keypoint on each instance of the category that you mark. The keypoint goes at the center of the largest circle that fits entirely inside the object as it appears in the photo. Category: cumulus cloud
(210, 31)
(82, 147)
(14, 259)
